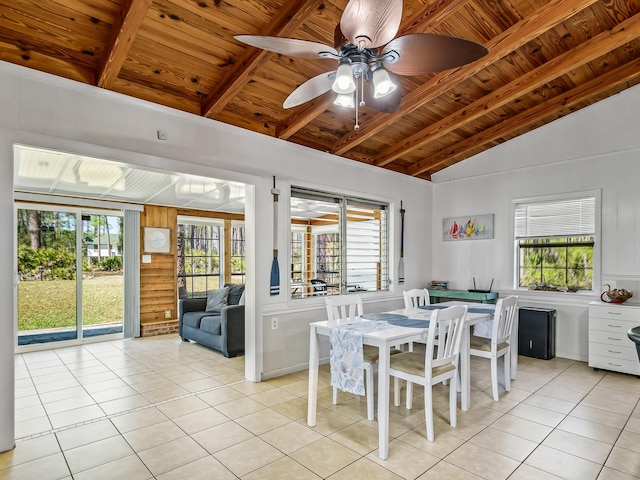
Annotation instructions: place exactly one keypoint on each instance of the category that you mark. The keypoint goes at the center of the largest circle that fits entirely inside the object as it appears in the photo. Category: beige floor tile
(550, 403)
(30, 413)
(69, 404)
(527, 472)
(84, 434)
(33, 426)
(201, 420)
(482, 462)
(113, 394)
(28, 450)
(629, 440)
(63, 394)
(171, 455)
(222, 436)
(138, 419)
(598, 415)
(578, 445)
(262, 421)
(124, 404)
(405, 460)
(273, 397)
(365, 469)
(294, 409)
(182, 406)
(290, 437)
(446, 443)
(200, 385)
(537, 414)
(240, 407)
(612, 474)
(324, 457)
(359, 437)
(252, 388)
(504, 443)
(536, 432)
(220, 396)
(52, 467)
(235, 458)
(593, 430)
(153, 435)
(130, 467)
(282, 469)
(206, 468)
(444, 470)
(328, 422)
(168, 392)
(563, 465)
(624, 461)
(60, 385)
(98, 453)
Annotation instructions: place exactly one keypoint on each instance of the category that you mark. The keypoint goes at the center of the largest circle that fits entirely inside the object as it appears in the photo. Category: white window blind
(557, 218)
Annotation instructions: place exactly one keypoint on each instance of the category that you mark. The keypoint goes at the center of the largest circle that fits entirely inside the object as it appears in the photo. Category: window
(555, 243)
(339, 244)
(238, 253)
(198, 255)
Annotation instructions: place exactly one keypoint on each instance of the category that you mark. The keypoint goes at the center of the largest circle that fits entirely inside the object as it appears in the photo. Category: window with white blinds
(555, 243)
(339, 244)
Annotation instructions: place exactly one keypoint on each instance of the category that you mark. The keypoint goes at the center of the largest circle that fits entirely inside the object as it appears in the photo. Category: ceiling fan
(367, 52)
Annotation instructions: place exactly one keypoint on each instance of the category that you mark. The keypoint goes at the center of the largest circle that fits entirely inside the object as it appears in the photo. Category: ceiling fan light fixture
(344, 82)
(344, 100)
(382, 84)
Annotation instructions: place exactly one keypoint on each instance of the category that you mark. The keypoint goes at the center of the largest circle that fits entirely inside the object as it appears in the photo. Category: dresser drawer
(617, 312)
(612, 324)
(618, 365)
(610, 338)
(615, 352)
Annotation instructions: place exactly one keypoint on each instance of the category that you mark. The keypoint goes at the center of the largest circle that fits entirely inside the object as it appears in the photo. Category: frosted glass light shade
(344, 82)
(344, 100)
(382, 84)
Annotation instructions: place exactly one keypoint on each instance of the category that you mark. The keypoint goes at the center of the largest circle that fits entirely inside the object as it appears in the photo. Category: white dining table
(384, 340)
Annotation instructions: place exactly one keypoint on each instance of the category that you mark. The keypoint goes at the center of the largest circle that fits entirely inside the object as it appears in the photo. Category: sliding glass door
(69, 267)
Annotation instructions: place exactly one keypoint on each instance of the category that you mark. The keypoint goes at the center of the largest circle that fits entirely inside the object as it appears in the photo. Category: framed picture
(157, 240)
(471, 227)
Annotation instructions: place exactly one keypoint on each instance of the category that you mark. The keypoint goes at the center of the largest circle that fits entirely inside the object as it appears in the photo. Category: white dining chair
(428, 369)
(348, 308)
(416, 297)
(499, 345)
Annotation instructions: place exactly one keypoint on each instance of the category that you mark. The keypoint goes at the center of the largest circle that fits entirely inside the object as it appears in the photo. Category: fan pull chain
(356, 127)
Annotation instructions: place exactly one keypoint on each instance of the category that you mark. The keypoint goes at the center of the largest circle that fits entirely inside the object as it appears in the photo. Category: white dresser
(609, 346)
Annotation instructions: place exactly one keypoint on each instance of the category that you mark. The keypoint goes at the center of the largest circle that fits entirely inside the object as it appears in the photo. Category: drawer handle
(616, 339)
(614, 313)
(611, 351)
(614, 364)
(615, 326)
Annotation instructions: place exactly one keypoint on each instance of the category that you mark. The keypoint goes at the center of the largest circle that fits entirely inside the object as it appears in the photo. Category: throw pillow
(241, 301)
(217, 299)
(235, 292)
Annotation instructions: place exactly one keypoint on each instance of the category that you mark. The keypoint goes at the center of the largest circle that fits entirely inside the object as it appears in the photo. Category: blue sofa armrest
(232, 329)
(189, 305)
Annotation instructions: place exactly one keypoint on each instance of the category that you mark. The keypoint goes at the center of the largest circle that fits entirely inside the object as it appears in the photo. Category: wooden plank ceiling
(547, 58)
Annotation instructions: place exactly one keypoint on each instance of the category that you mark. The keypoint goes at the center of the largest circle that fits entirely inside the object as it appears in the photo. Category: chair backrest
(416, 297)
(449, 325)
(503, 319)
(343, 307)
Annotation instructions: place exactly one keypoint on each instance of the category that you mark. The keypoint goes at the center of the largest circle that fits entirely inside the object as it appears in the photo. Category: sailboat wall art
(471, 227)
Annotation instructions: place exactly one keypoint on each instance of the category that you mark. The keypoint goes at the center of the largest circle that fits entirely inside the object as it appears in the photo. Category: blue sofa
(223, 331)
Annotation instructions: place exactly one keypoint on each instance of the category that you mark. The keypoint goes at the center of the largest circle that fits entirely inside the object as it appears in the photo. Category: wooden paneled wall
(158, 279)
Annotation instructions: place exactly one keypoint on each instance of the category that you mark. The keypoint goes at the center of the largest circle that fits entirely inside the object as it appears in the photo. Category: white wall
(597, 148)
(43, 110)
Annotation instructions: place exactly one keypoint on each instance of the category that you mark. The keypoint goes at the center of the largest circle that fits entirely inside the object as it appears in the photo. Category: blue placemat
(409, 322)
(384, 316)
(486, 308)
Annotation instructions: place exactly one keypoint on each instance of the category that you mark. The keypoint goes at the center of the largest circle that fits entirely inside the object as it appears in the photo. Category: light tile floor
(161, 408)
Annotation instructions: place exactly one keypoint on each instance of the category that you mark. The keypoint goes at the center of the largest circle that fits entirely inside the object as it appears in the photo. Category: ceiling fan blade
(287, 46)
(422, 53)
(387, 104)
(312, 88)
(371, 23)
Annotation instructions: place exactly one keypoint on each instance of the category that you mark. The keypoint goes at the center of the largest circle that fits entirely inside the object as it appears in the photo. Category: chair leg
(507, 371)
(409, 400)
(494, 378)
(396, 391)
(335, 395)
(428, 411)
(453, 402)
(370, 394)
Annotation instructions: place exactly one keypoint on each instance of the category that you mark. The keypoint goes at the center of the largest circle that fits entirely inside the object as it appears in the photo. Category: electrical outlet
(274, 323)
(162, 134)
(167, 314)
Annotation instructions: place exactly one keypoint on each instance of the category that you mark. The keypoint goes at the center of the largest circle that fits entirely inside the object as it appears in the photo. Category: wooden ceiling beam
(508, 41)
(613, 79)
(584, 53)
(425, 19)
(288, 19)
(123, 34)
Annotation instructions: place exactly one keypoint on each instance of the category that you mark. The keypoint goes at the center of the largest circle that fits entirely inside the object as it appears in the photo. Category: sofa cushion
(217, 299)
(211, 325)
(235, 292)
(192, 319)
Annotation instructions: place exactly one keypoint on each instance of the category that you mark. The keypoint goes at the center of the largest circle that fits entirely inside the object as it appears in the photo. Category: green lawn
(52, 304)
